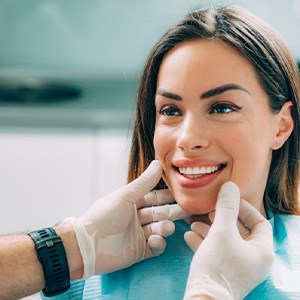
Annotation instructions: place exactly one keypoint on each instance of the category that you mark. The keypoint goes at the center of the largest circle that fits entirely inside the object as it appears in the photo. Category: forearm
(21, 273)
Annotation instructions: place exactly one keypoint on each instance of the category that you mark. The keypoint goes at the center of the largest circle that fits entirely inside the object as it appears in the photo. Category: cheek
(164, 146)
(161, 144)
(250, 172)
(157, 145)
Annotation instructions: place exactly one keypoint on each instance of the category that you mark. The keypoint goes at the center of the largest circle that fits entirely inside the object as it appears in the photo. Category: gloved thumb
(143, 184)
(228, 203)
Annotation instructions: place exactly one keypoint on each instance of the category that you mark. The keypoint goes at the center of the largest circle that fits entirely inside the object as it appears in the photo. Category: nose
(193, 135)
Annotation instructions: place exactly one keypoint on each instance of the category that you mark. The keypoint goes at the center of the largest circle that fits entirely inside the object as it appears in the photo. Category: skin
(212, 111)
(20, 270)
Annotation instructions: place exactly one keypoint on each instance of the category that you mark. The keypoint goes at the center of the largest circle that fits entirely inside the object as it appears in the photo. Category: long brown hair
(276, 70)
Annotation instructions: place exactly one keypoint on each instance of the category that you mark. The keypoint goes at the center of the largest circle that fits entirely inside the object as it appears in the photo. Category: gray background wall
(110, 38)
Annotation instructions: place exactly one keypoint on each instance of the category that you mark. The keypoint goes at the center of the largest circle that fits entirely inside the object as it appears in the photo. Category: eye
(169, 111)
(223, 108)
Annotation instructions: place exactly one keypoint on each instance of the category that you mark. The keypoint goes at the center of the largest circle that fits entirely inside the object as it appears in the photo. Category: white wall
(48, 175)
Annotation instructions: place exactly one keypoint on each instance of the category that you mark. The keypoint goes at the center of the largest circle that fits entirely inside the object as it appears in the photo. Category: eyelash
(223, 108)
(165, 110)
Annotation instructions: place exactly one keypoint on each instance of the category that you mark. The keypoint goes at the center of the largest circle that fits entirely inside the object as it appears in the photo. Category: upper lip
(188, 162)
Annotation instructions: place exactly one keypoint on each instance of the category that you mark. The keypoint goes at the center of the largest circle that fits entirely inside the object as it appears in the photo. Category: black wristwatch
(52, 255)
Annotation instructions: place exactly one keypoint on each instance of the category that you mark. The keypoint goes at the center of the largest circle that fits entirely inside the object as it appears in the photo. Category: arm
(20, 270)
(92, 241)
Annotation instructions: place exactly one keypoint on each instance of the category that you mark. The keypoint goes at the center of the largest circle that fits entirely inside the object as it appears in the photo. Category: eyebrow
(208, 94)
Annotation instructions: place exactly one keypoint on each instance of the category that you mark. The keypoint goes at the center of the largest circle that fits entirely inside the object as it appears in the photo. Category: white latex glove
(110, 234)
(225, 266)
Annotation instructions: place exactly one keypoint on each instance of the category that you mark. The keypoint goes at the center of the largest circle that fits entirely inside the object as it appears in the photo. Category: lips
(196, 173)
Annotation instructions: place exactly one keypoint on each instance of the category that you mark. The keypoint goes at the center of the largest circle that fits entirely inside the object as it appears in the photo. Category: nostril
(192, 146)
(192, 140)
(197, 147)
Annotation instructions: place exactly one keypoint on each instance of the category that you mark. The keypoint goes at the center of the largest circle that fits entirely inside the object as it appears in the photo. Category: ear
(284, 126)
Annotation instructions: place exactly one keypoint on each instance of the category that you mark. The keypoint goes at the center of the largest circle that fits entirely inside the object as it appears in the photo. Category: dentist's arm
(21, 273)
(117, 231)
(225, 266)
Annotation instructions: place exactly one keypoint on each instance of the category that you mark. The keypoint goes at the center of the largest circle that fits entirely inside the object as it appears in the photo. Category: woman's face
(213, 124)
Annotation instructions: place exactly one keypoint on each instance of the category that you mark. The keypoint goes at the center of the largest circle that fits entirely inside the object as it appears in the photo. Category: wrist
(204, 287)
(66, 232)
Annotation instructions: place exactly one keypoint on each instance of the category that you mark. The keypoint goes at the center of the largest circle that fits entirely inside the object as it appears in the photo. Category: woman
(277, 75)
(219, 100)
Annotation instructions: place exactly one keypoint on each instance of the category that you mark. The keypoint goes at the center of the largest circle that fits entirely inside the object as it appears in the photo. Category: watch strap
(52, 256)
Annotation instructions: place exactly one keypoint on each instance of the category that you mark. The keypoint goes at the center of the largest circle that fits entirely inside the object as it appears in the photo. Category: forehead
(209, 62)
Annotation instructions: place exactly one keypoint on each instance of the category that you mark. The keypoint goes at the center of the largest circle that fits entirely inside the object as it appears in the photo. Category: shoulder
(286, 218)
(286, 227)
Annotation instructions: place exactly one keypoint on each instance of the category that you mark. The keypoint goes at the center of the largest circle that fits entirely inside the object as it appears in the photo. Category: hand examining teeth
(200, 226)
(156, 212)
(108, 242)
(226, 264)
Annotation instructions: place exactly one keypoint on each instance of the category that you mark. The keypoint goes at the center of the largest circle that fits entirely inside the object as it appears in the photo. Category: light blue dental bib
(165, 277)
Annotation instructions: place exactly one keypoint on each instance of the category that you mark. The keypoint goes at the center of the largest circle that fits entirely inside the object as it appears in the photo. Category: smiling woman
(218, 101)
(219, 120)
(220, 89)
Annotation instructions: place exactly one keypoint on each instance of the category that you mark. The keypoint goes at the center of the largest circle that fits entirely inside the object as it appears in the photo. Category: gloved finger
(243, 230)
(136, 189)
(249, 215)
(193, 240)
(258, 225)
(170, 212)
(200, 228)
(156, 198)
(211, 216)
(155, 246)
(164, 228)
(195, 218)
(228, 203)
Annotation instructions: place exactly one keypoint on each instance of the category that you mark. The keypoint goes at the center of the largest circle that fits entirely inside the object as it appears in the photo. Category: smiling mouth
(196, 172)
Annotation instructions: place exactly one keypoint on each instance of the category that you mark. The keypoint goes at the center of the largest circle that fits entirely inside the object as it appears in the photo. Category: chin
(196, 206)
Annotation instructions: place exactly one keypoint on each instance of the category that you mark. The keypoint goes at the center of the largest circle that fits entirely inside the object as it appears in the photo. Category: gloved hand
(111, 236)
(225, 266)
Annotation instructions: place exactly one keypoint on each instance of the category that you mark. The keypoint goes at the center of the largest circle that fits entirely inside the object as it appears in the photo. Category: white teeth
(199, 170)
(189, 171)
(196, 170)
